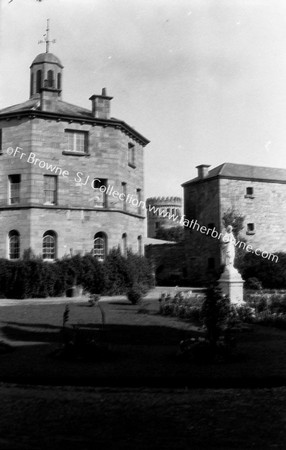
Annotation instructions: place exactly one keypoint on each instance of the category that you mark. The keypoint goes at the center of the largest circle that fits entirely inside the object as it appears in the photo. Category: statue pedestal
(231, 284)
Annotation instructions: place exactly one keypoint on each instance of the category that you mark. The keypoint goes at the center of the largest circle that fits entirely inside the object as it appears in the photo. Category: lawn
(142, 348)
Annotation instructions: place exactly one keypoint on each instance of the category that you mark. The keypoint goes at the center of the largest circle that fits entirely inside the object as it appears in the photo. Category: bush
(32, 277)
(253, 283)
(216, 311)
(182, 305)
(277, 304)
(125, 272)
(269, 273)
(135, 294)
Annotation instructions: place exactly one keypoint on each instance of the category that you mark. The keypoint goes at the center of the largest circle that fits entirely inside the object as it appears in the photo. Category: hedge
(31, 277)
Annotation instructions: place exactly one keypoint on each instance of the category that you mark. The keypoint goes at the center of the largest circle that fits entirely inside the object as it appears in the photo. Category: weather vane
(46, 38)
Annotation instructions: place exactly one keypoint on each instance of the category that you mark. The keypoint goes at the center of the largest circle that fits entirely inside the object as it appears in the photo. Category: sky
(203, 80)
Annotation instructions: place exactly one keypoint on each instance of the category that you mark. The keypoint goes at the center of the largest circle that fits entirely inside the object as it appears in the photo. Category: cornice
(114, 123)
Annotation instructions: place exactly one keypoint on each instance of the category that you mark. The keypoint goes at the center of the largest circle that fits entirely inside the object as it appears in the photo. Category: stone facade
(257, 193)
(69, 173)
(162, 212)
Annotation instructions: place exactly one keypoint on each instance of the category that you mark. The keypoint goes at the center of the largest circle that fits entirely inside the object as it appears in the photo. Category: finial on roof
(46, 37)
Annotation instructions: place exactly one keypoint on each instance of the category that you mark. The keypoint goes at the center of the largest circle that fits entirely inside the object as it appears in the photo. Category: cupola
(46, 72)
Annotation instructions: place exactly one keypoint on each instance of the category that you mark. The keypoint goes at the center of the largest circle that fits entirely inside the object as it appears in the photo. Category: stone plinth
(231, 284)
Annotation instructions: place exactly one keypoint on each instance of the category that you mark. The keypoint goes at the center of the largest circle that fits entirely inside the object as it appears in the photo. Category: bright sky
(203, 80)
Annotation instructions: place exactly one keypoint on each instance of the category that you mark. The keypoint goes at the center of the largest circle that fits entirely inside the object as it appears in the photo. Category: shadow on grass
(18, 332)
(138, 355)
(32, 325)
(121, 303)
(111, 333)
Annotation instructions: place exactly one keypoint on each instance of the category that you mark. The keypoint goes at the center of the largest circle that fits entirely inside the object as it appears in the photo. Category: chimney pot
(203, 170)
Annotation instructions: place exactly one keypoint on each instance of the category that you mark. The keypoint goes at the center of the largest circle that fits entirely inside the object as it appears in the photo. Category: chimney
(101, 105)
(203, 170)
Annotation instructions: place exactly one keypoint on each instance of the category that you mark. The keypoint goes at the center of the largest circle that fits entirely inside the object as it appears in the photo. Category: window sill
(249, 196)
(66, 152)
(132, 165)
(250, 232)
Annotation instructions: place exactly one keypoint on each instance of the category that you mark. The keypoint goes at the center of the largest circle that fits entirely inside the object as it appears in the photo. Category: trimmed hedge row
(35, 278)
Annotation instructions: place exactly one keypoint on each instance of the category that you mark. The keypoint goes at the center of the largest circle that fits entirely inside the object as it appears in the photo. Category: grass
(143, 348)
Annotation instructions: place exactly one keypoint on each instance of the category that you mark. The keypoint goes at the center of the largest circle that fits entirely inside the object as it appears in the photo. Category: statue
(228, 242)
(230, 281)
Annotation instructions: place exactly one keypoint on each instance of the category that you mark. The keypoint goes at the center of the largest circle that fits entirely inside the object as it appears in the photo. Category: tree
(175, 234)
(234, 218)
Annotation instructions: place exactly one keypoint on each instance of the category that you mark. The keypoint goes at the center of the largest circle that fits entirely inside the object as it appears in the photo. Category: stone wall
(202, 252)
(75, 218)
(266, 209)
(207, 201)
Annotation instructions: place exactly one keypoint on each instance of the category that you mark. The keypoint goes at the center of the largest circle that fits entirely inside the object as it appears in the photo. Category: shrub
(32, 277)
(93, 276)
(182, 305)
(115, 266)
(277, 303)
(135, 294)
(253, 283)
(125, 272)
(216, 311)
(270, 274)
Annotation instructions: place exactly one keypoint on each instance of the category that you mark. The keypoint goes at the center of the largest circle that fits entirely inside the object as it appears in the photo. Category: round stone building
(162, 212)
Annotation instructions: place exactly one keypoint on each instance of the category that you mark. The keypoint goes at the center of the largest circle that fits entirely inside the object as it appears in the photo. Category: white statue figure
(228, 242)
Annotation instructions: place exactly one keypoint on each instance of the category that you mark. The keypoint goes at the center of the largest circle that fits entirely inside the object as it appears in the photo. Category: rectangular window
(131, 155)
(50, 189)
(100, 198)
(138, 192)
(124, 191)
(249, 192)
(250, 228)
(14, 189)
(77, 141)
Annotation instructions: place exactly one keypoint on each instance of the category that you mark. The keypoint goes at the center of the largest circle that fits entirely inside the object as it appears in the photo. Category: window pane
(49, 247)
(131, 154)
(50, 189)
(14, 245)
(99, 194)
(76, 141)
(99, 248)
(14, 181)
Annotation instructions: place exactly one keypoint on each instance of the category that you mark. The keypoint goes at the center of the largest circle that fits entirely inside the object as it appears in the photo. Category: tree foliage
(174, 234)
(31, 277)
(235, 219)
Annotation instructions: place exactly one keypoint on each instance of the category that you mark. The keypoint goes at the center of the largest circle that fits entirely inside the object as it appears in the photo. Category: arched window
(50, 78)
(100, 246)
(39, 81)
(124, 244)
(140, 248)
(14, 245)
(49, 245)
(59, 80)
